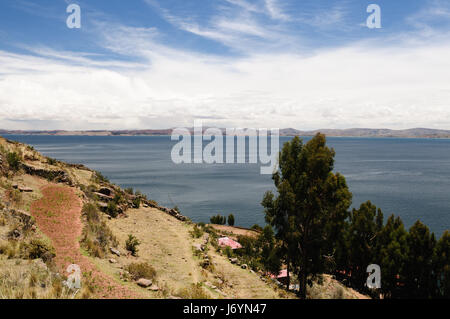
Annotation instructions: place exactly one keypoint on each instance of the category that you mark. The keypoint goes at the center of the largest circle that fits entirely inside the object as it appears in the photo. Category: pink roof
(281, 274)
(225, 241)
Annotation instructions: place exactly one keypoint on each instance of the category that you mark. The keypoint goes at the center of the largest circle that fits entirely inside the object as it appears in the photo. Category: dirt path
(58, 216)
(165, 243)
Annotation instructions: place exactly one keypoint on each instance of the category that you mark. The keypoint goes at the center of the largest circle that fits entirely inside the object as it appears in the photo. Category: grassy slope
(166, 243)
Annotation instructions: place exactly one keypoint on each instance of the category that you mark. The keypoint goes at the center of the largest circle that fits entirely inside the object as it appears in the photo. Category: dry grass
(96, 237)
(329, 288)
(194, 291)
(165, 244)
(234, 232)
(20, 279)
(141, 270)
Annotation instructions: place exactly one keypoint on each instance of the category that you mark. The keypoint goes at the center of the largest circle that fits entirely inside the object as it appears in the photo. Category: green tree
(441, 266)
(392, 254)
(231, 220)
(269, 256)
(310, 210)
(218, 220)
(418, 268)
(365, 226)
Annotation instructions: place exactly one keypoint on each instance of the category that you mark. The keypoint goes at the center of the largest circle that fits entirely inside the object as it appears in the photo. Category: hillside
(54, 214)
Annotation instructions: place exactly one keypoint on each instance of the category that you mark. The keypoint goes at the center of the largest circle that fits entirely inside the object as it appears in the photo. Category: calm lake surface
(406, 177)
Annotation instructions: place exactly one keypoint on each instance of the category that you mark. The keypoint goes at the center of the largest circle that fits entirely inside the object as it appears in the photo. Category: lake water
(407, 177)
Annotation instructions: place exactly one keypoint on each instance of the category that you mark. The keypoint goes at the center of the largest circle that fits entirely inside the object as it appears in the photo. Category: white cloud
(275, 11)
(356, 86)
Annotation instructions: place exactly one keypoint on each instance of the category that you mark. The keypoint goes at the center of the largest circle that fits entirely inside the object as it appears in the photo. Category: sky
(152, 64)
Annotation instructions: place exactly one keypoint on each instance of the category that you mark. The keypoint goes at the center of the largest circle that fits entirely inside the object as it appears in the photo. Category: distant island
(352, 132)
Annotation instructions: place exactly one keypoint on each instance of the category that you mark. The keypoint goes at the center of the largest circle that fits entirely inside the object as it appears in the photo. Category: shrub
(228, 251)
(99, 178)
(39, 248)
(91, 212)
(13, 161)
(197, 232)
(195, 291)
(118, 199)
(131, 244)
(14, 196)
(96, 234)
(137, 202)
(51, 161)
(111, 209)
(256, 227)
(129, 190)
(8, 248)
(141, 270)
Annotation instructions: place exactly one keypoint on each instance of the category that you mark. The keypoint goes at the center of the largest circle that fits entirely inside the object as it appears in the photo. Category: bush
(197, 232)
(129, 190)
(96, 234)
(111, 209)
(256, 227)
(8, 248)
(228, 251)
(38, 248)
(137, 202)
(141, 270)
(195, 291)
(91, 212)
(131, 244)
(51, 161)
(13, 161)
(99, 178)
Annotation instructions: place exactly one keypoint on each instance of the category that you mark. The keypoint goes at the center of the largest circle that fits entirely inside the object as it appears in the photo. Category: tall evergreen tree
(231, 220)
(270, 258)
(366, 224)
(311, 208)
(418, 268)
(392, 253)
(441, 266)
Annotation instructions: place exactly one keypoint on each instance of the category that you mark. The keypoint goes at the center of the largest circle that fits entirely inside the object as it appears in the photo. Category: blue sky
(266, 63)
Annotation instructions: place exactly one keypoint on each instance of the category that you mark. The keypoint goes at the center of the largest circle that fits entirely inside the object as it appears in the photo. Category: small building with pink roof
(228, 242)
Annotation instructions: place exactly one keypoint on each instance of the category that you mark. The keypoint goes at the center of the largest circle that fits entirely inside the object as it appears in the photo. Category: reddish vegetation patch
(58, 215)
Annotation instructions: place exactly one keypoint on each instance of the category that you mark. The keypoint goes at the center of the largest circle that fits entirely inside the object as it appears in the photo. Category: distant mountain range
(352, 132)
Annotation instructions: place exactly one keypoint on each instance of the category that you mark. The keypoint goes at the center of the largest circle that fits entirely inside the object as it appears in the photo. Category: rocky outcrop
(25, 218)
(57, 176)
(114, 251)
(173, 212)
(103, 197)
(144, 282)
(106, 191)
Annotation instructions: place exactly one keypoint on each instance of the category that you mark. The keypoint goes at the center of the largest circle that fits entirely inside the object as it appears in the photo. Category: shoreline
(292, 136)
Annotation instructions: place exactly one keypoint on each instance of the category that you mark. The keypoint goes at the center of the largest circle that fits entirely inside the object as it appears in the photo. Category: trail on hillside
(58, 216)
